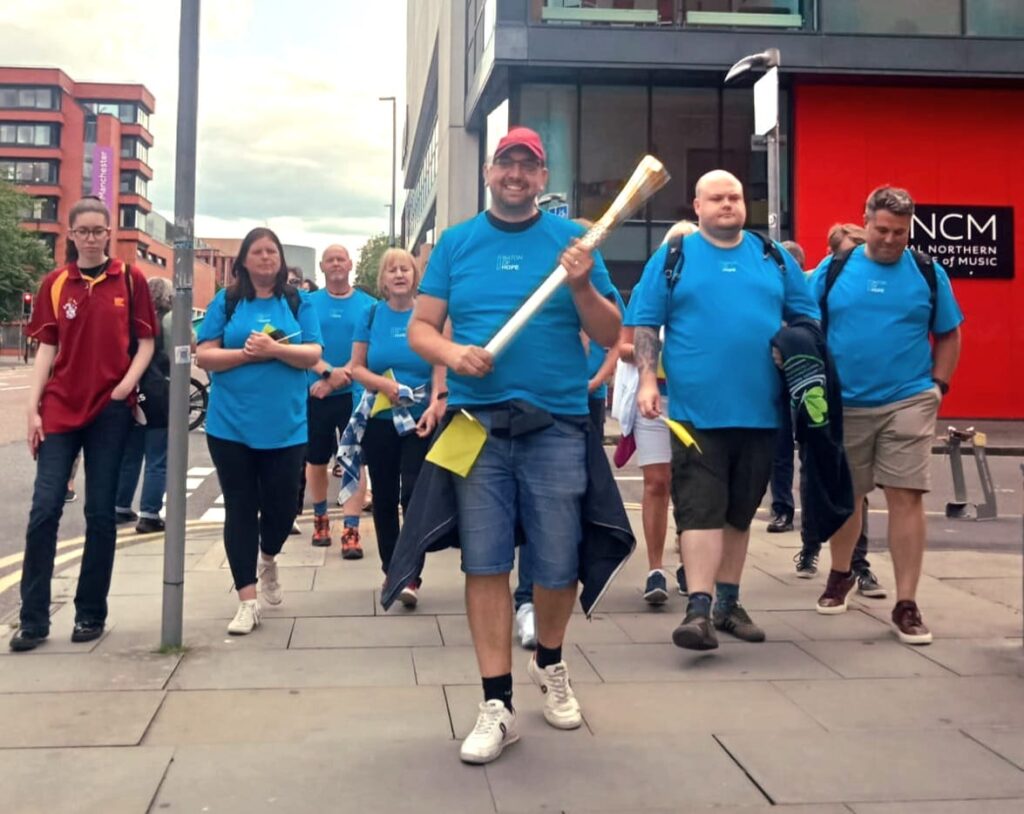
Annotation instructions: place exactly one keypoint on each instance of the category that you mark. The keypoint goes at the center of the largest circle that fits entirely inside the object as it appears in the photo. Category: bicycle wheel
(197, 399)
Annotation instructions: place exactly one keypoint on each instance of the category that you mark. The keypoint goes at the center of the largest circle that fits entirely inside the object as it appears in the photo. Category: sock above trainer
(700, 603)
(499, 688)
(351, 521)
(320, 508)
(727, 597)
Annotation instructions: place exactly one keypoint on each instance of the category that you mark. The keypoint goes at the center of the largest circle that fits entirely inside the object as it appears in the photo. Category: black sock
(499, 688)
(700, 603)
(546, 656)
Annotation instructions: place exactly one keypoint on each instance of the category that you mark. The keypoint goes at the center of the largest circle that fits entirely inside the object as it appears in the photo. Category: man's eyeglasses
(97, 232)
(527, 165)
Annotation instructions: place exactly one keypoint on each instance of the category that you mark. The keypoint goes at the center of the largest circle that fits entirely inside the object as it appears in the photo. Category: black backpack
(924, 264)
(675, 257)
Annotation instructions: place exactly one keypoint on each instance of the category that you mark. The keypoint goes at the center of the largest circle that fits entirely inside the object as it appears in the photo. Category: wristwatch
(326, 372)
(943, 385)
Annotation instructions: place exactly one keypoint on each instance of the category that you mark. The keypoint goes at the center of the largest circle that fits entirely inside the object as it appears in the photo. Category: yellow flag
(661, 366)
(382, 402)
(458, 447)
(680, 432)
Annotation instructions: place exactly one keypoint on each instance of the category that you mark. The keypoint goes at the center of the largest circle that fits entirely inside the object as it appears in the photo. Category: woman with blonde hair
(397, 435)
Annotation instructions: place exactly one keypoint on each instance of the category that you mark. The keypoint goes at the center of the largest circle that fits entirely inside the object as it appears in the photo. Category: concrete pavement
(334, 705)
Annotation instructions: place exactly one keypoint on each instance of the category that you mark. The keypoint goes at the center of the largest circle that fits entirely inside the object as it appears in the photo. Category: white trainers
(526, 626)
(267, 579)
(561, 709)
(495, 729)
(247, 618)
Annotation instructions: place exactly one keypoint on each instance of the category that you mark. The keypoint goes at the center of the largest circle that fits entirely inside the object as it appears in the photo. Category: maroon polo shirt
(87, 319)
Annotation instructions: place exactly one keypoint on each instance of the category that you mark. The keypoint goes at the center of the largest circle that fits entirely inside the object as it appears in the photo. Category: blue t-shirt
(259, 404)
(878, 317)
(719, 319)
(485, 273)
(388, 349)
(338, 317)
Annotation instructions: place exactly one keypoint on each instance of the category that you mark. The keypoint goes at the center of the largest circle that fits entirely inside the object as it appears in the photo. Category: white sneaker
(270, 586)
(247, 618)
(526, 626)
(495, 729)
(561, 709)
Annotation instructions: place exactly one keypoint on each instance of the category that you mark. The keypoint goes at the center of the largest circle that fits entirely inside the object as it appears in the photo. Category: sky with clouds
(291, 132)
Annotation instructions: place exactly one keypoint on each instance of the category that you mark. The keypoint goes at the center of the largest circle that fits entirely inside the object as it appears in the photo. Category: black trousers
(394, 462)
(260, 496)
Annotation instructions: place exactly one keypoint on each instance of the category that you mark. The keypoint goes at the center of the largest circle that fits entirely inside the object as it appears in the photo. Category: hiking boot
(269, 582)
(906, 621)
(695, 632)
(350, 548)
(495, 729)
(806, 564)
(868, 585)
(780, 523)
(321, 530)
(561, 709)
(681, 580)
(837, 589)
(656, 589)
(739, 624)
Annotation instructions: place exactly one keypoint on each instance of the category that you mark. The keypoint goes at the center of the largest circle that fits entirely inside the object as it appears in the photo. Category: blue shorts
(536, 480)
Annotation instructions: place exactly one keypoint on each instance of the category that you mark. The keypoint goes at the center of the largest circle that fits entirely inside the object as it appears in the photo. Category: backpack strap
(771, 249)
(835, 268)
(674, 261)
(926, 265)
(373, 313)
(129, 282)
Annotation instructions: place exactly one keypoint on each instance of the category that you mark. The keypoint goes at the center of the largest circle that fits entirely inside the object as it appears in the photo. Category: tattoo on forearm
(646, 347)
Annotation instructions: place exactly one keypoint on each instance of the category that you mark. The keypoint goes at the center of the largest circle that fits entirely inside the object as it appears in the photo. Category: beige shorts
(891, 445)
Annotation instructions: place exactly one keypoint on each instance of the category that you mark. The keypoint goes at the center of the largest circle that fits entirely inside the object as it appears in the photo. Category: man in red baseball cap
(522, 137)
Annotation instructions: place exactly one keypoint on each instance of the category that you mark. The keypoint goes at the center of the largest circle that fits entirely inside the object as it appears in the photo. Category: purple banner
(103, 183)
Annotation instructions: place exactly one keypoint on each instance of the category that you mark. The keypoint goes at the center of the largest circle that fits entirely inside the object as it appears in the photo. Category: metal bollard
(960, 507)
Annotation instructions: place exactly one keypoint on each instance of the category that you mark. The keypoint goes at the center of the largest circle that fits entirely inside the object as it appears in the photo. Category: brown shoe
(321, 530)
(350, 548)
(838, 587)
(906, 621)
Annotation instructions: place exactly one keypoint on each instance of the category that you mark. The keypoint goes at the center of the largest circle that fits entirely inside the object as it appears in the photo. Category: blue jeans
(149, 443)
(102, 444)
(782, 466)
(536, 481)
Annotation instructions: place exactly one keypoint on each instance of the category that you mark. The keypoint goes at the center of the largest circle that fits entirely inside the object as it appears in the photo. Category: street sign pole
(180, 349)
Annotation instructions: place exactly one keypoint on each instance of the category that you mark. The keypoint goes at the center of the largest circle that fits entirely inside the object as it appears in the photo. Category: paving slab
(828, 808)
(377, 631)
(349, 602)
(364, 714)
(942, 807)
(297, 553)
(432, 602)
(873, 659)
(1004, 590)
(600, 629)
(891, 766)
(973, 657)
(150, 564)
(670, 708)
(197, 635)
(100, 672)
(1005, 741)
(59, 640)
(920, 703)
(730, 662)
(458, 665)
(425, 774)
(464, 702)
(654, 627)
(108, 780)
(854, 624)
(138, 584)
(295, 669)
(76, 718)
(970, 564)
(590, 773)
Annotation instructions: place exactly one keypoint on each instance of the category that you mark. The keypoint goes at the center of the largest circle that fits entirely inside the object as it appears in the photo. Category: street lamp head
(385, 98)
(766, 59)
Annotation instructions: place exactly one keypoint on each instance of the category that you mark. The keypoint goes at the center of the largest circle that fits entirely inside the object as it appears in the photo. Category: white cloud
(291, 132)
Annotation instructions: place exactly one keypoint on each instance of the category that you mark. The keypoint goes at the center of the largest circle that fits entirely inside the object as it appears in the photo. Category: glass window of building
(29, 172)
(995, 18)
(684, 137)
(131, 217)
(132, 147)
(30, 98)
(905, 17)
(28, 135)
(605, 12)
(619, 116)
(132, 183)
(551, 110)
(43, 209)
(748, 13)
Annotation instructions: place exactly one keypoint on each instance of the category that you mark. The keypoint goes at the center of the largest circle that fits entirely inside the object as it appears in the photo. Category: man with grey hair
(880, 302)
(720, 303)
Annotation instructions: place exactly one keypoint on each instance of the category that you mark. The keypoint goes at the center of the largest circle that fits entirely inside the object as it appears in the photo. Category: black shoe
(149, 525)
(780, 523)
(656, 589)
(86, 631)
(128, 516)
(681, 579)
(25, 640)
(739, 624)
(695, 632)
(806, 564)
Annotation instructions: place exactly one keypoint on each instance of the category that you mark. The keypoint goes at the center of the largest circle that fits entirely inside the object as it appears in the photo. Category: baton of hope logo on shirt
(509, 262)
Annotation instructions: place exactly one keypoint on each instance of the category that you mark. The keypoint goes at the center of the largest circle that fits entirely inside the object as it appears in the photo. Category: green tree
(23, 257)
(369, 262)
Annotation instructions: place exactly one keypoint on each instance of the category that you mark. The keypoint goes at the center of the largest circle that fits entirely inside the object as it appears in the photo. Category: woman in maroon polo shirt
(95, 324)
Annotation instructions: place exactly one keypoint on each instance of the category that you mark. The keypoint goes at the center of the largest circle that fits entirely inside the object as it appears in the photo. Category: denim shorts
(537, 481)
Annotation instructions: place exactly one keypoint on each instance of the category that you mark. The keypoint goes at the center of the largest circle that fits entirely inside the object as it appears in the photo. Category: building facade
(926, 94)
(61, 139)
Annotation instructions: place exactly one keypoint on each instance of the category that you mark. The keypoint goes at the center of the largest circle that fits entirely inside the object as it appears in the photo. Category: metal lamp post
(766, 123)
(394, 158)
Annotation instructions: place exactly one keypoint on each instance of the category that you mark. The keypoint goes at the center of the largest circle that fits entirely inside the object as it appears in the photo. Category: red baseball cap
(521, 137)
